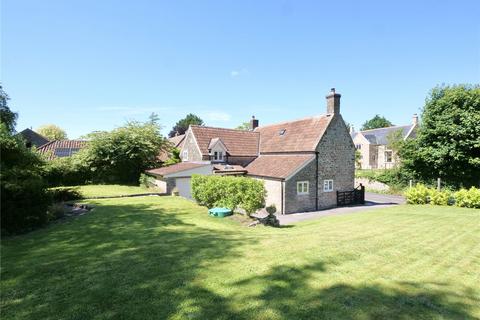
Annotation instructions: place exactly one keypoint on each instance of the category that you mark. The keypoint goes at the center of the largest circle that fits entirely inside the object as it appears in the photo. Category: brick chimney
(253, 123)
(415, 119)
(333, 102)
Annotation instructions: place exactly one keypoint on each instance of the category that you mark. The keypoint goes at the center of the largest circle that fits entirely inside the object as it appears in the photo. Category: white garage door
(184, 187)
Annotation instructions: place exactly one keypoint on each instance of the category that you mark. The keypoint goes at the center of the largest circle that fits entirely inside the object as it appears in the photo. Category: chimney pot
(415, 119)
(333, 102)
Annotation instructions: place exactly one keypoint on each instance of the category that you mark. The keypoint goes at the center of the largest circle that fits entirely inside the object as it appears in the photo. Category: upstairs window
(185, 155)
(218, 156)
(327, 185)
(302, 187)
(358, 146)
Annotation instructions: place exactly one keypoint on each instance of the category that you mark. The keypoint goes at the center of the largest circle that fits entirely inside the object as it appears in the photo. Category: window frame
(328, 185)
(303, 187)
(390, 152)
(185, 155)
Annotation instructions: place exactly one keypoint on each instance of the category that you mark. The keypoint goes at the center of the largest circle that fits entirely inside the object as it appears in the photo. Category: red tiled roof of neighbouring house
(293, 136)
(61, 148)
(238, 142)
(178, 167)
(277, 166)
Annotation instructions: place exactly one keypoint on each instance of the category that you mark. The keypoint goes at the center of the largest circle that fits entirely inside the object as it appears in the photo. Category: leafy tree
(376, 122)
(174, 157)
(448, 141)
(52, 132)
(395, 142)
(358, 159)
(244, 126)
(182, 125)
(7, 117)
(122, 154)
(24, 197)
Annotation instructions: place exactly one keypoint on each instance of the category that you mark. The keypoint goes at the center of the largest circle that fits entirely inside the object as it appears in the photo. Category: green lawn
(99, 190)
(165, 258)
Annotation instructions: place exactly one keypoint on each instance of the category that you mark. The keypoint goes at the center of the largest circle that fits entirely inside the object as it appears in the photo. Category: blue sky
(92, 65)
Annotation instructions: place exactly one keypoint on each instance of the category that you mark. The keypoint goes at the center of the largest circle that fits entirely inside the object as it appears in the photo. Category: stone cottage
(302, 162)
(373, 144)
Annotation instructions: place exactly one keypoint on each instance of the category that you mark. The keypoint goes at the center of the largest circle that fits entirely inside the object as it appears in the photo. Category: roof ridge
(300, 119)
(219, 128)
(391, 127)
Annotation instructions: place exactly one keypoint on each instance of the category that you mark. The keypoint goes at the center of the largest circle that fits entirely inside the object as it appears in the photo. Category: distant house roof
(178, 167)
(293, 136)
(177, 141)
(33, 138)
(237, 142)
(226, 169)
(278, 166)
(61, 148)
(380, 135)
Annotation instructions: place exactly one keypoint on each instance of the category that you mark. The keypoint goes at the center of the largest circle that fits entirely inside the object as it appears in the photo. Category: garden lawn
(90, 191)
(165, 258)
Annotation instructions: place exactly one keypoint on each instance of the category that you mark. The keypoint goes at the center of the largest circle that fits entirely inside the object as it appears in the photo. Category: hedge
(420, 194)
(230, 192)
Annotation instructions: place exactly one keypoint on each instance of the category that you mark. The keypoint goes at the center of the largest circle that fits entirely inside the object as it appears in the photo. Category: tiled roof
(35, 139)
(61, 148)
(379, 136)
(238, 142)
(177, 141)
(277, 166)
(178, 167)
(293, 136)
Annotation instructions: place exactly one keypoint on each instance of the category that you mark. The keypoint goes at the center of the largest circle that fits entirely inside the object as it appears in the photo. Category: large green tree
(7, 117)
(121, 155)
(448, 141)
(24, 197)
(52, 132)
(182, 125)
(376, 122)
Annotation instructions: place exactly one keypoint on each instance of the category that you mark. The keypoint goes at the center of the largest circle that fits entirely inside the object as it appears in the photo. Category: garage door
(184, 187)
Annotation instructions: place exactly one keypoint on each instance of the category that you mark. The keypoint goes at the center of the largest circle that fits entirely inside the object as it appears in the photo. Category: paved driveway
(372, 201)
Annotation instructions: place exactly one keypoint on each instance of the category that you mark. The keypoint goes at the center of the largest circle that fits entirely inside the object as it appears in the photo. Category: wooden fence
(356, 196)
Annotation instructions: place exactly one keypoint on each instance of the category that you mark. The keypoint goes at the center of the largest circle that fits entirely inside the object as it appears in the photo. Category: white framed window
(358, 146)
(185, 155)
(327, 185)
(388, 156)
(302, 187)
(218, 156)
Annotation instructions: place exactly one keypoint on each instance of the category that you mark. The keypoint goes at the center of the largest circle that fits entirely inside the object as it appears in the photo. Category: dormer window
(218, 156)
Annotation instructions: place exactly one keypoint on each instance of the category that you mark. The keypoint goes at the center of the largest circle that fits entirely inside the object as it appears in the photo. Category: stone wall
(301, 202)
(274, 193)
(191, 146)
(336, 162)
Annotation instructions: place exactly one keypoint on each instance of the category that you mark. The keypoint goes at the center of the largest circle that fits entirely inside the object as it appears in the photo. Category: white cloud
(217, 116)
(240, 72)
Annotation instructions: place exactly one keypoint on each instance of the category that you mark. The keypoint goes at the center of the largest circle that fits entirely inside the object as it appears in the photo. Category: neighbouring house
(174, 142)
(61, 148)
(373, 144)
(302, 162)
(32, 138)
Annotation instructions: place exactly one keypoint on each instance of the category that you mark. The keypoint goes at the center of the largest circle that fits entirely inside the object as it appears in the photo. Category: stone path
(372, 201)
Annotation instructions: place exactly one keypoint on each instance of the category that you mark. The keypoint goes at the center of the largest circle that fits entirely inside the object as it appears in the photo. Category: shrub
(271, 209)
(146, 181)
(418, 194)
(56, 211)
(440, 198)
(63, 194)
(468, 198)
(24, 197)
(230, 192)
(67, 171)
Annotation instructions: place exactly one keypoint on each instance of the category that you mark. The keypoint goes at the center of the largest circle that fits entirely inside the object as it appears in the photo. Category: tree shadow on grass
(122, 261)
(288, 292)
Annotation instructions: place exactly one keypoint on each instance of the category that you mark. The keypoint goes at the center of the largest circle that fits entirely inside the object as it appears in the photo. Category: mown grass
(98, 190)
(165, 258)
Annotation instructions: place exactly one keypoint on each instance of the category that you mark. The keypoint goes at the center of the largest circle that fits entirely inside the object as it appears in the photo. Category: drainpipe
(316, 182)
(282, 195)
